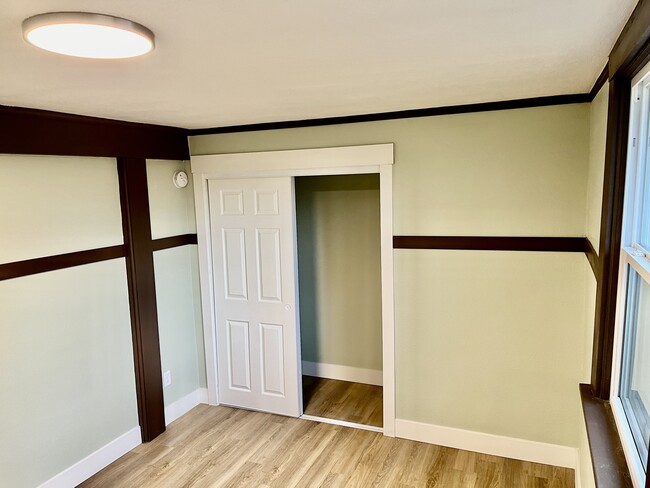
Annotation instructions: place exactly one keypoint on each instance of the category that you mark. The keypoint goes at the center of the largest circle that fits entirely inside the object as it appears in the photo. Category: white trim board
(183, 405)
(296, 159)
(95, 462)
(343, 373)
(509, 447)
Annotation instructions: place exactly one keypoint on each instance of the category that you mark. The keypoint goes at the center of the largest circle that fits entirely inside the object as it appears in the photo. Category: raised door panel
(272, 360)
(234, 264)
(269, 265)
(239, 346)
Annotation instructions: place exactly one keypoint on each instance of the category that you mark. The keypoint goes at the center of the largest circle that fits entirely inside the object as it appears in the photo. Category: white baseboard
(183, 405)
(343, 373)
(509, 447)
(95, 462)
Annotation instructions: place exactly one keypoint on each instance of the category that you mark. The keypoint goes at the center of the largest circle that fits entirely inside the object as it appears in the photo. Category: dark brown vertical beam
(610, 233)
(142, 295)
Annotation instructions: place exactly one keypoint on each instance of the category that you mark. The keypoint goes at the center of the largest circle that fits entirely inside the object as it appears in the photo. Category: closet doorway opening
(246, 227)
(339, 269)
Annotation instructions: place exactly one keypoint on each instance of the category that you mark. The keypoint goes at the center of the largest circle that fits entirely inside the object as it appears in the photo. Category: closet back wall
(339, 271)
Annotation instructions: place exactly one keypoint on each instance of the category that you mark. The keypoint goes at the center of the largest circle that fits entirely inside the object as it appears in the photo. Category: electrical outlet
(167, 378)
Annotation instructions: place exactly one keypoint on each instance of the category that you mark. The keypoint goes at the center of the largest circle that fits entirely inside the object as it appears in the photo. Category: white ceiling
(231, 62)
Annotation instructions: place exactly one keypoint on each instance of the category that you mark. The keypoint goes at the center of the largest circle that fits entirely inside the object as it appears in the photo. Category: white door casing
(374, 158)
(252, 224)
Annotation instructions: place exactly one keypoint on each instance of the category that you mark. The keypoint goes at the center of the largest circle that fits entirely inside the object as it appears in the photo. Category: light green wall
(179, 320)
(597, 138)
(339, 269)
(177, 282)
(489, 341)
(55, 205)
(513, 172)
(67, 379)
(172, 209)
(65, 336)
(481, 336)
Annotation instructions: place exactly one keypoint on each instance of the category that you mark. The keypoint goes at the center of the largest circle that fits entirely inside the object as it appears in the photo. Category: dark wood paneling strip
(142, 295)
(592, 257)
(630, 48)
(28, 267)
(402, 114)
(610, 467)
(480, 243)
(600, 82)
(610, 234)
(31, 131)
(175, 241)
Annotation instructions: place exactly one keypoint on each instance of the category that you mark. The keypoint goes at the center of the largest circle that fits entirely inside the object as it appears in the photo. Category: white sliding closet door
(254, 260)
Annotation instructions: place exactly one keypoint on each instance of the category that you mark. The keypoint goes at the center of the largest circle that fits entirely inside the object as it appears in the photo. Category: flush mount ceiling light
(88, 35)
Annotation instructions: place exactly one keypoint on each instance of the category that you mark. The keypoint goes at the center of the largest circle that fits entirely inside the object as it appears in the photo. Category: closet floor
(343, 400)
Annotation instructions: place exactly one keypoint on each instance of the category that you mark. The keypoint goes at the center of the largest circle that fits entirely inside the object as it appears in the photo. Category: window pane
(635, 373)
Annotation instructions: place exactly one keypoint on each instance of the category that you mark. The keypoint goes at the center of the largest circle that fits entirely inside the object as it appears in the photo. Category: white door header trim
(294, 160)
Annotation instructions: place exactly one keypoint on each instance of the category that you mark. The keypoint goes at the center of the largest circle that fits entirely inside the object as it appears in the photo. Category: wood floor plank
(343, 400)
(225, 447)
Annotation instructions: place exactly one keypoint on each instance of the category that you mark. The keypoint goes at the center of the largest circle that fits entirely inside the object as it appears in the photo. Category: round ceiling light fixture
(88, 35)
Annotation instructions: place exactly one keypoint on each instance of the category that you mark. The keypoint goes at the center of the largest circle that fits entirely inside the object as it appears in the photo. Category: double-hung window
(630, 396)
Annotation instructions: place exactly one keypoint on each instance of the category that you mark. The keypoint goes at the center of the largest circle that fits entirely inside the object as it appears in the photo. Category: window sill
(610, 467)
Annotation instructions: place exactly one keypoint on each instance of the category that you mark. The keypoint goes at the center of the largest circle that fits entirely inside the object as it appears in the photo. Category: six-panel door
(254, 268)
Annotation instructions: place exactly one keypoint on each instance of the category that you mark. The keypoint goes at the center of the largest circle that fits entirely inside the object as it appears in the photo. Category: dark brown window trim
(629, 54)
(136, 224)
(491, 243)
(610, 467)
(174, 241)
(31, 131)
(29, 267)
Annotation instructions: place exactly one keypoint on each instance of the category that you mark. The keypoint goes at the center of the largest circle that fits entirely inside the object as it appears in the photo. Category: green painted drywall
(339, 268)
(179, 320)
(480, 336)
(55, 205)
(490, 341)
(67, 369)
(177, 281)
(512, 172)
(171, 208)
(596, 171)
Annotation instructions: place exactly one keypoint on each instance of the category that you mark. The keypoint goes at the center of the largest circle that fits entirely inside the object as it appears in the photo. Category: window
(630, 397)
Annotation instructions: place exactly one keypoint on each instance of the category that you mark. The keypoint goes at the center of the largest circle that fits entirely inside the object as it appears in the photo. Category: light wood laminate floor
(343, 400)
(226, 447)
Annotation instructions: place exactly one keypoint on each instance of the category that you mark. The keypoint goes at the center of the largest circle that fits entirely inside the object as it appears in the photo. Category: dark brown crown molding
(485, 243)
(29, 267)
(32, 131)
(632, 47)
(402, 114)
(600, 82)
(174, 241)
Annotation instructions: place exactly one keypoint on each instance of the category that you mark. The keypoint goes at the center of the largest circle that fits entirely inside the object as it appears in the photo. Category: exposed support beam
(136, 225)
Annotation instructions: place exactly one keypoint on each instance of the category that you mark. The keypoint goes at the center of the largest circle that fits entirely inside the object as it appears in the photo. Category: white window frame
(632, 255)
